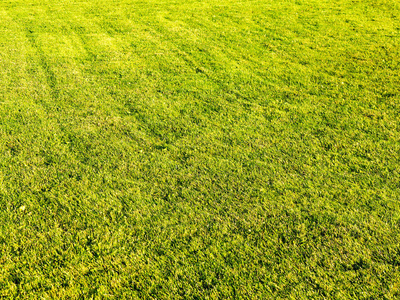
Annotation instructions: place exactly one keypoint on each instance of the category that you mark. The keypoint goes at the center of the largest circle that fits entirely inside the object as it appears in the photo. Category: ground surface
(200, 149)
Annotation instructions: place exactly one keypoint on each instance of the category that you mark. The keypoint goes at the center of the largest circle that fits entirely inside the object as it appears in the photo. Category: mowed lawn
(187, 149)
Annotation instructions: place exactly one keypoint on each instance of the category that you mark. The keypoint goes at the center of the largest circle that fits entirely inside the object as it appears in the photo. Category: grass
(200, 149)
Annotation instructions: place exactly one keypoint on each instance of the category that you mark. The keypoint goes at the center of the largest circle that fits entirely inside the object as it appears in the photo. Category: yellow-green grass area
(214, 149)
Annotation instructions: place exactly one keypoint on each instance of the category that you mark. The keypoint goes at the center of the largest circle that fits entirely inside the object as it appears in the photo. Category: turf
(215, 149)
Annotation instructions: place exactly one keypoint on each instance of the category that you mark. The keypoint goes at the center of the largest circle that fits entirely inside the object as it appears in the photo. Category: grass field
(215, 149)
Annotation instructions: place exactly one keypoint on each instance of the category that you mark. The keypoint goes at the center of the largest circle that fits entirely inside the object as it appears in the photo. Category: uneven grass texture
(207, 149)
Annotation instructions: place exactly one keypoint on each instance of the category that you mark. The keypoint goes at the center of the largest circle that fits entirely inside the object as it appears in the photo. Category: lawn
(214, 149)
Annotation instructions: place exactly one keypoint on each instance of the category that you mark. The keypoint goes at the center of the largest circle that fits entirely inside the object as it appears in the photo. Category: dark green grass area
(215, 149)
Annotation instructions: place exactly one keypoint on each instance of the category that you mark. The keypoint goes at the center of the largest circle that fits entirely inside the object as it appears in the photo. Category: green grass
(207, 149)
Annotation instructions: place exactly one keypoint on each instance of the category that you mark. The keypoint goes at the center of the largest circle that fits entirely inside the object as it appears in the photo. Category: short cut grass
(215, 149)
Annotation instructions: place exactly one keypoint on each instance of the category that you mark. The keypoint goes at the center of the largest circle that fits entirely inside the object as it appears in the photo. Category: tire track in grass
(125, 143)
(96, 150)
(93, 60)
(44, 65)
(67, 161)
(67, 201)
(43, 62)
(108, 29)
(35, 94)
(33, 170)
